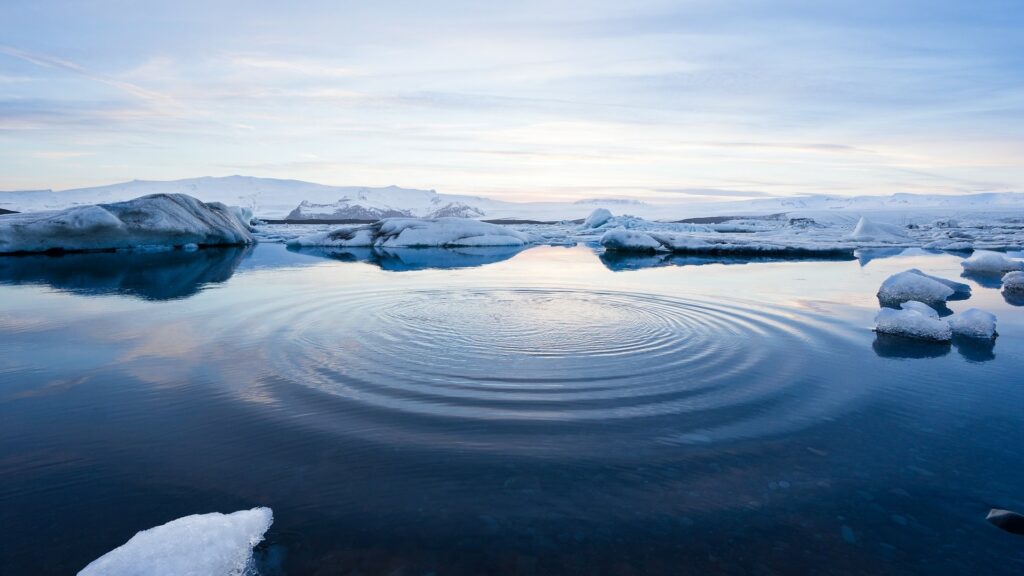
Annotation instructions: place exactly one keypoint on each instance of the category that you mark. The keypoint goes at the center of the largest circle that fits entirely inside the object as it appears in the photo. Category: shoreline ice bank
(158, 220)
(199, 545)
(650, 241)
(417, 233)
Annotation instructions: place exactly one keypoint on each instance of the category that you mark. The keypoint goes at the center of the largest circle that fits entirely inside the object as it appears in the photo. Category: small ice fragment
(911, 323)
(1013, 282)
(913, 285)
(973, 323)
(202, 544)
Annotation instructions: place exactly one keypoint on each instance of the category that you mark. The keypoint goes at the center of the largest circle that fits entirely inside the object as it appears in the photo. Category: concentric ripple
(413, 361)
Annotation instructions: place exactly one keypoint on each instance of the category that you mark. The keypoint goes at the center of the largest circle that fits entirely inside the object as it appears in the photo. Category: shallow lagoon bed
(543, 411)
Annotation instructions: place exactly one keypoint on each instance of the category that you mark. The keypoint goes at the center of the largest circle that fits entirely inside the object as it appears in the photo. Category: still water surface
(549, 411)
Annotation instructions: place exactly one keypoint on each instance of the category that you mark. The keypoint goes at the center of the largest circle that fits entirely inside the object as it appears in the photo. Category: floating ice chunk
(198, 545)
(921, 308)
(913, 285)
(417, 232)
(1013, 282)
(623, 240)
(597, 218)
(973, 323)
(156, 220)
(911, 323)
(868, 231)
(984, 261)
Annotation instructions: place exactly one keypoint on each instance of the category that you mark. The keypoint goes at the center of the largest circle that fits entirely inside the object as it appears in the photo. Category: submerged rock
(1010, 521)
(158, 220)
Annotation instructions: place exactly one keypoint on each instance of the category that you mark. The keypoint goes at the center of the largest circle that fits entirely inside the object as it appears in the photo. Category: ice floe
(986, 262)
(973, 323)
(415, 232)
(915, 285)
(159, 220)
(912, 322)
(198, 545)
(1013, 282)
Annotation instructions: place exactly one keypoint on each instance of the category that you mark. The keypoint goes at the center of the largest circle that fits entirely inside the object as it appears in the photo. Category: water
(483, 411)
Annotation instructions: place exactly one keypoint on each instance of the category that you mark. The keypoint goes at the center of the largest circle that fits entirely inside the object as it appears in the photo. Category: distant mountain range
(273, 198)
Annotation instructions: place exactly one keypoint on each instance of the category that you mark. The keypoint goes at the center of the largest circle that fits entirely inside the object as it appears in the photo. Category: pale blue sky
(520, 100)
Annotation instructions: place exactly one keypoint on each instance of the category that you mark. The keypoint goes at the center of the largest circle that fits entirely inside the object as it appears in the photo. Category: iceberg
(986, 262)
(417, 232)
(868, 231)
(158, 220)
(911, 322)
(198, 545)
(597, 218)
(973, 323)
(915, 285)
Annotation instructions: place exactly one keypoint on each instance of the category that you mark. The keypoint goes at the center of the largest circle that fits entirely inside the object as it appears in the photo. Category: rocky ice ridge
(365, 205)
(416, 232)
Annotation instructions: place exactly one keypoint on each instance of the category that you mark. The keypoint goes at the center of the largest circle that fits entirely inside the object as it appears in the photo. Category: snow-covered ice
(198, 545)
(921, 308)
(986, 262)
(914, 285)
(624, 240)
(159, 220)
(973, 323)
(1013, 282)
(912, 323)
(414, 232)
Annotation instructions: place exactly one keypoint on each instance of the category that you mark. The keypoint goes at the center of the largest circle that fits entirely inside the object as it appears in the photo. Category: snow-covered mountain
(273, 198)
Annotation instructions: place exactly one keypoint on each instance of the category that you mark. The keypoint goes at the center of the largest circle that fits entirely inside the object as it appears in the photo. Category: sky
(526, 100)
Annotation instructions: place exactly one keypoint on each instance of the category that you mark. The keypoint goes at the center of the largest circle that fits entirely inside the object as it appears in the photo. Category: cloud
(60, 154)
(47, 61)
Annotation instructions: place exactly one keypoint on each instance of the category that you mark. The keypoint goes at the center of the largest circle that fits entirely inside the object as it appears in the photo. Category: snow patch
(198, 545)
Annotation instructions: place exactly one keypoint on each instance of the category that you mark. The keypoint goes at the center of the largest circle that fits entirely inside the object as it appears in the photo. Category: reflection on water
(971, 349)
(544, 415)
(407, 259)
(622, 261)
(146, 275)
(985, 279)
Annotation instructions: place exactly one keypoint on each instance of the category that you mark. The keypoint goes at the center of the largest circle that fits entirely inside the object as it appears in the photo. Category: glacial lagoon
(505, 411)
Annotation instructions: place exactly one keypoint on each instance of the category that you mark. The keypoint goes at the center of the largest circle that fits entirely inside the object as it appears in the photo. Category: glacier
(158, 221)
(198, 545)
